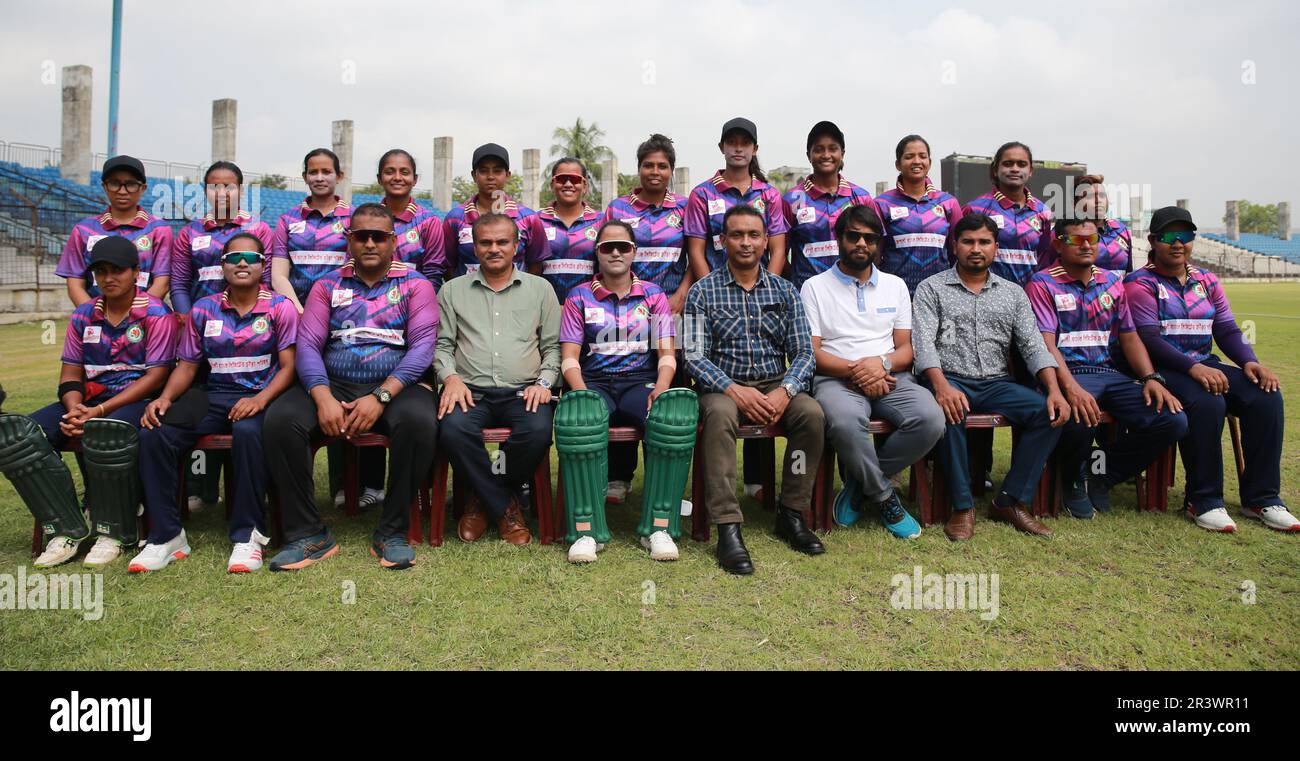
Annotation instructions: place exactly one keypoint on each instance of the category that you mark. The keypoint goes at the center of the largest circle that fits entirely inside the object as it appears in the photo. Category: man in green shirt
(498, 358)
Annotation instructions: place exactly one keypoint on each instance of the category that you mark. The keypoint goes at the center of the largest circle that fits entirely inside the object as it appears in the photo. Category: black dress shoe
(732, 554)
(791, 528)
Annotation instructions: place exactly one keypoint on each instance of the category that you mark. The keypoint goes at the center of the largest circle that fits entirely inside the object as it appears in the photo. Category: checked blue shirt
(732, 334)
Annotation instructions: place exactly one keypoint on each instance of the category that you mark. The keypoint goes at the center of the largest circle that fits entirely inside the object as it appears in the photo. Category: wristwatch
(790, 389)
(543, 383)
(1157, 377)
(884, 360)
(382, 394)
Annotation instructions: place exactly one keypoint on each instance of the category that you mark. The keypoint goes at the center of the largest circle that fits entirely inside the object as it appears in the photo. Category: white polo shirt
(855, 320)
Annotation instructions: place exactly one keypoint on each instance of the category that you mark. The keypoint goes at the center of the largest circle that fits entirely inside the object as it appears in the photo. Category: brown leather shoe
(512, 526)
(960, 526)
(1017, 516)
(473, 522)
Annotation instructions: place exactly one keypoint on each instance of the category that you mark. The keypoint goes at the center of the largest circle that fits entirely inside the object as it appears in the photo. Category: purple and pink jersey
(458, 236)
(196, 257)
(242, 352)
(1115, 247)
(358, 333)
(711, 199)
(315, 244)
(420, 243)
(1024, 234)
(152, 238)
(1190, 315)
(916, 243)
(572, 257)
(657, 230)
(1086, 318)
(618, 336)
(810, 215)
(118, 355)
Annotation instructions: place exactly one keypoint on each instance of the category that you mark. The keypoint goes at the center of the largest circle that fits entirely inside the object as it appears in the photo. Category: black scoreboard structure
(967, 178)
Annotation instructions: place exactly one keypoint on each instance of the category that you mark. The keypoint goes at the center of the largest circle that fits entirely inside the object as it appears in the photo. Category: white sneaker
(369, 498)
(616, 492)
(338, 498)
(60, 550)
(247, 556)
(1276, 517)
(105, 551)
(754, 491)
(661, 546)
(1215, 520)
(155, 557)
(584, 550)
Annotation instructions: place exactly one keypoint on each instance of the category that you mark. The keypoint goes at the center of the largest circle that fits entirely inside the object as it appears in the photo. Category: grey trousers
(910, 408)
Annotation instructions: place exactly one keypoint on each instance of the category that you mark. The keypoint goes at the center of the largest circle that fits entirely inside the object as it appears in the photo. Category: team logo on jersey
(1106, 301)
(1161, 292)
(394, 295)
(1035, 223)
(144, 243)
(135, 334)
(939, 212)
(337, 227)
(1199, 290)
(261, 325)
(412, 235)
(591, 233)
(673, 220)
(758, 204)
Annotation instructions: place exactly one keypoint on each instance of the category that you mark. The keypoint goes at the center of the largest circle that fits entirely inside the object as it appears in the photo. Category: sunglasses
(568, 179)
(371, 236)
(853, 236)
(1181, 236)
(619, 246)
(1079, 240)
(129, 186)
(246, 257)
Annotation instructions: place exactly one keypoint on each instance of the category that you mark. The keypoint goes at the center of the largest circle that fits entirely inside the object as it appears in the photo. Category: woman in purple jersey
(243, 336)
(418, 229)
(570, 225)
(917, 217)
(311, 241)
(1115, 243)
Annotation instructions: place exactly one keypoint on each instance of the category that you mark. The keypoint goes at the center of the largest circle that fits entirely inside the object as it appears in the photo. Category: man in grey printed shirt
(965, 322)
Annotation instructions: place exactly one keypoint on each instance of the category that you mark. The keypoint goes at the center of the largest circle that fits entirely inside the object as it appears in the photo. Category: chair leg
(438, 500)
(351, 480)
(542, 499)
(769, 481)
(1234, 433)
(559, 520)
(824, 491)
(228, 484)
(37, 539)
(699, 513)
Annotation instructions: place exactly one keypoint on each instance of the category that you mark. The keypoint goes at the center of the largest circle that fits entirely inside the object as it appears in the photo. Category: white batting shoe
(661, 546)
(60, 550)
(1215, 520)
(246, 557)
(584, 550)
(155, 557)
(1276, 517)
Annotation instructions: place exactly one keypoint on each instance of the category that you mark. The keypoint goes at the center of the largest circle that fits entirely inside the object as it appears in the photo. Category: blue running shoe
(899, 522)
(1076, 500)
(301, 553)
(846, 503)
(394, 552)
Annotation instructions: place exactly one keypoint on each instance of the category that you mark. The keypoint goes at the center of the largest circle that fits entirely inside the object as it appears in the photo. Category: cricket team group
(817, 310)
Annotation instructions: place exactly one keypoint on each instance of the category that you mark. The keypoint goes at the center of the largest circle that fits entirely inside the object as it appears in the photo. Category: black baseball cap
(824, 129)
(490, 150)
(115, 250)
(742, 124)
(1168, 215)
(129, 163)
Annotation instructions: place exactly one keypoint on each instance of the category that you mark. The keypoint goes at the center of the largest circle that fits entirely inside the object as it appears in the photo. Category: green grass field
(1124, 591)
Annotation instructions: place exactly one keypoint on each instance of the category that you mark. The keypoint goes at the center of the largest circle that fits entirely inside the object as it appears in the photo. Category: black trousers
(410, 422)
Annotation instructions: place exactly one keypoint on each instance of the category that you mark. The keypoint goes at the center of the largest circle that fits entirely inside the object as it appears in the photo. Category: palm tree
(582, 142)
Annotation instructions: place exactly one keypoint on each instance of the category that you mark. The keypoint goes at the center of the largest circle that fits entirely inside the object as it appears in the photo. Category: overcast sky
(1198, 100)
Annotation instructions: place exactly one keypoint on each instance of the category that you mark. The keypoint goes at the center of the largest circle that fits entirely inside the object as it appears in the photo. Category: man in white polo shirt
(861, 320)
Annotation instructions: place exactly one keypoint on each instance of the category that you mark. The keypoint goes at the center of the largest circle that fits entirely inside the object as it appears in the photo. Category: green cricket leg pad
(582, 441)
(111, 449)
(669, 446)
(40, 478)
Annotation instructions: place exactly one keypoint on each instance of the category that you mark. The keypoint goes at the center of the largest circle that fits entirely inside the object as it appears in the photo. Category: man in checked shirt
(741, 324)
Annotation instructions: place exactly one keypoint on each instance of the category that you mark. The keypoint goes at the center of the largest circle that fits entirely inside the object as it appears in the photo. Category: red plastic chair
(540, 486)
(939, 507)
(918, 487)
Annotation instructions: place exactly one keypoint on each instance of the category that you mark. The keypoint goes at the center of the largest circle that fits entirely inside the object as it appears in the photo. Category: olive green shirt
(504, 339)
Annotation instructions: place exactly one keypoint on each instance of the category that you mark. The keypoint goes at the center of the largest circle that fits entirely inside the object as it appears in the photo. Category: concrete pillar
(1233, 221)
(223, 129)
(1136, 222)
(682, 181)
(1284, 220)
(881, 187)
(341, 138)
(532, 184)
(75, 141)
(1182, 203)
(608, 181)
(442, 153)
